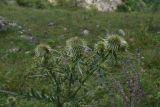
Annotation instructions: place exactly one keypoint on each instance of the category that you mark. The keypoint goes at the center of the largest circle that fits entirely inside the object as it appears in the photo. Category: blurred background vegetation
(126, 5)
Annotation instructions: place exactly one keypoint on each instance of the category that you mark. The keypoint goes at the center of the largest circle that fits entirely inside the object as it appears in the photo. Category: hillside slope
(54, 26)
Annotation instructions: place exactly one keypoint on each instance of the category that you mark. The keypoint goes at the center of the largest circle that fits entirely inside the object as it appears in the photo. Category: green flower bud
(100, 47)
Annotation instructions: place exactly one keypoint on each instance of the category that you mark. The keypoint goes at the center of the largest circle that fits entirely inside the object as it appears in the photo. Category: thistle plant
(69, 71)
(75, 47)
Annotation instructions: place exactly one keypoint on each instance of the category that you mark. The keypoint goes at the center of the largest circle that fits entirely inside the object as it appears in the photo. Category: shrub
(132, 5)
(34, 3)
(26, 3)
(139, 5)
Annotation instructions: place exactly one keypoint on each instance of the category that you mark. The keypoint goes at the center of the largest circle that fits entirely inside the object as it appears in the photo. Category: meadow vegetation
(58, 57)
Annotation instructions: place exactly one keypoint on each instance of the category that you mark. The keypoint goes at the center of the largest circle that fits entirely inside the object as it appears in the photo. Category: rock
(14, 50)
(65, 29)
(20, 32)
(101, 5)
(85, 32)
(59, 47)
(121, 32)
(28, 52)
(87, 49)
(28, 38)
(51, 24)
(5, 24)
(19, 27)
(132, 40)
(13, 24)
(97, 25)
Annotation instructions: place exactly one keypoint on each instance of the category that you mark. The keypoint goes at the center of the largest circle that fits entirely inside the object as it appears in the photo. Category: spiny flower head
(42, 50)
(100, 47)
(75, 46)
(116, 43)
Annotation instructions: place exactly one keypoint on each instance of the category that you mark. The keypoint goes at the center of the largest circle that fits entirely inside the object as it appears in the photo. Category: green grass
(14, 67)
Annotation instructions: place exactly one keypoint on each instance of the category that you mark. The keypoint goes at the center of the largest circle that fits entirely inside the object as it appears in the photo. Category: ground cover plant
(107, 86)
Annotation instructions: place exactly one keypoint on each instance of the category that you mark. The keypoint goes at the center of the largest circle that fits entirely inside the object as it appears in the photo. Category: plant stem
(8, 92)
